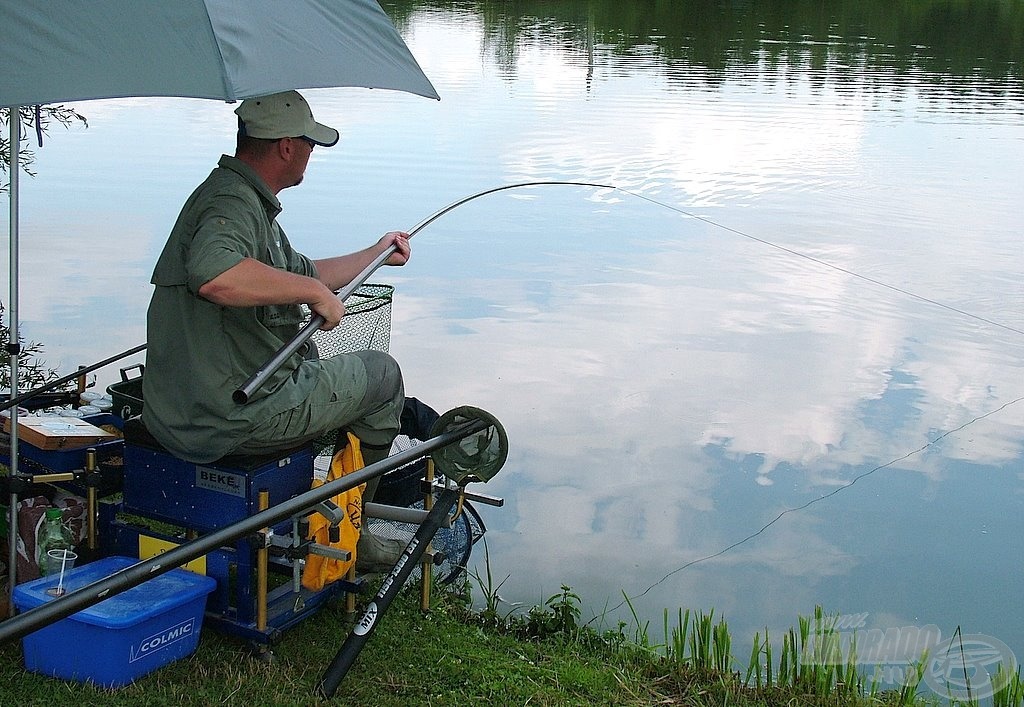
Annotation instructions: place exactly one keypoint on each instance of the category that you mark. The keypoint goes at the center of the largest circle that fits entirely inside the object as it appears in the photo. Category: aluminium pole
(14, 120)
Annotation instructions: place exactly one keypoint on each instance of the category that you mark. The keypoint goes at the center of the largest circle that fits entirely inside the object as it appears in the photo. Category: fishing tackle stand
(165, 502)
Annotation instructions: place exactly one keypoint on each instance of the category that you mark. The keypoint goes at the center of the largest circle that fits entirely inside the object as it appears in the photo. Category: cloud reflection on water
(647, 390)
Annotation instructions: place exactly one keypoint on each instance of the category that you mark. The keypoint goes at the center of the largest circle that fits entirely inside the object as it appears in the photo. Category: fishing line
(813, 501)
(789, 251)
(826, 264)
(763, 241)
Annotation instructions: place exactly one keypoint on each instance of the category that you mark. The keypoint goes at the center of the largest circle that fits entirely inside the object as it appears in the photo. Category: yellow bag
(321, 570)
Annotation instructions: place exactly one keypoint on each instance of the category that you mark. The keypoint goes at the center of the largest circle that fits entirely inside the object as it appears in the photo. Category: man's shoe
(377, 555)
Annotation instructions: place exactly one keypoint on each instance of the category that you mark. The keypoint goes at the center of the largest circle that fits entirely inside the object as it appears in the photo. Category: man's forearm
(251, 283)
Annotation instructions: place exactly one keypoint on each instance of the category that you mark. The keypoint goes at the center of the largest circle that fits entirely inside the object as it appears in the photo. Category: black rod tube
(389, 588)
(138, 573)
(71, 376)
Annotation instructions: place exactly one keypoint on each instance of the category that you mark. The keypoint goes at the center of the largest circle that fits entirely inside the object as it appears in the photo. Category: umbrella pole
(13, 347)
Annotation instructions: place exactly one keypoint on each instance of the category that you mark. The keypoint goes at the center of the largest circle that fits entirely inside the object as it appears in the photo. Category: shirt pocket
(283, 316)
(275, 253)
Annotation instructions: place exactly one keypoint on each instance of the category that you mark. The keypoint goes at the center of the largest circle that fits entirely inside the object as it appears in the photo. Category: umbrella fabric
(69, 50)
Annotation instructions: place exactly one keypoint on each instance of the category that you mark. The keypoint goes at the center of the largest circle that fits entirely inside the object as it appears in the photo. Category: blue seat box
(208, 497)
(122, 638)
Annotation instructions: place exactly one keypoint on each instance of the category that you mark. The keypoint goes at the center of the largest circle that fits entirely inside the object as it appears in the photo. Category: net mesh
(475, 457)
(366, 325)
(454, 543)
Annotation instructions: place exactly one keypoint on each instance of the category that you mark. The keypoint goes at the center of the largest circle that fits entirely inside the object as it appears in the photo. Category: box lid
(151, 598)
(52, 432)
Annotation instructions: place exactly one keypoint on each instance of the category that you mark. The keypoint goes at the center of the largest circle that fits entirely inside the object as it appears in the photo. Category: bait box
(122, 638)
(127, 397)
(51, 433)
(72, 459)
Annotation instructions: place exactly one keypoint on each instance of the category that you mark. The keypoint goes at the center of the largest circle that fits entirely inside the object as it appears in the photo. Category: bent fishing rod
(256, 381)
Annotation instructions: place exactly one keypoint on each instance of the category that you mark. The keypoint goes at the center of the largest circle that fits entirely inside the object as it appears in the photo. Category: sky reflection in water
(670, 382)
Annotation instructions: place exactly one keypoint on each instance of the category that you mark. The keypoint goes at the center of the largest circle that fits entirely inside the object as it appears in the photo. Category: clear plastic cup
(57, 558)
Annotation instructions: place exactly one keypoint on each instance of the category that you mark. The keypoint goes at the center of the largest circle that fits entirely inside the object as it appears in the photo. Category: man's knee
(383, 378)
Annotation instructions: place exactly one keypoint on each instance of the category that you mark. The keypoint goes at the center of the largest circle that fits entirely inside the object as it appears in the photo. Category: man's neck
(264, 170)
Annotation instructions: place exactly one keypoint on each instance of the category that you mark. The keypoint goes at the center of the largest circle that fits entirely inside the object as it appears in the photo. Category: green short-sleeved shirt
(200, 352)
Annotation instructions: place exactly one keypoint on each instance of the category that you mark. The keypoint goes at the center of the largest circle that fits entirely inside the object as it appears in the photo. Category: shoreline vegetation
(458, 653)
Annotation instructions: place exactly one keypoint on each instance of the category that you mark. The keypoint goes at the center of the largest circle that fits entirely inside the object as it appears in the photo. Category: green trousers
(361, 392)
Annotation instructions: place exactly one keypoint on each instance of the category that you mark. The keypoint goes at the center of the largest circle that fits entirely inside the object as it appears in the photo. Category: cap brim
(323, 135)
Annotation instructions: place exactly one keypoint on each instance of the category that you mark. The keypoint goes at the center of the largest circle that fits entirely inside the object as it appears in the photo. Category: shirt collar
(273, 204)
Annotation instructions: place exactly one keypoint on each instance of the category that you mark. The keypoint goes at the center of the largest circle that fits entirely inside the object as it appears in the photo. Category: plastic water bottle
(52, 536)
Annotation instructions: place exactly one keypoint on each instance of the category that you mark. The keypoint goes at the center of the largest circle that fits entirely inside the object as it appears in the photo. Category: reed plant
(813, 658)
(1010, 692)
(489, 588)
(760, 666)
(912, 681)
(817, 662)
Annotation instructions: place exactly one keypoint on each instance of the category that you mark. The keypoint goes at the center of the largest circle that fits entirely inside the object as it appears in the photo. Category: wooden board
(58, 432)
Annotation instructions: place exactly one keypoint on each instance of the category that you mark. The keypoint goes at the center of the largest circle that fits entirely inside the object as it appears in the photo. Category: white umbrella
(75, 50)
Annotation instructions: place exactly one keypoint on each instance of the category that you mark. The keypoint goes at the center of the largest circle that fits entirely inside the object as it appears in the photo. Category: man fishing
(228, 290)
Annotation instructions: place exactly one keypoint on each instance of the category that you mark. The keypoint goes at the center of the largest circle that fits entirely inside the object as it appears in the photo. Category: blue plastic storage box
(122, 638)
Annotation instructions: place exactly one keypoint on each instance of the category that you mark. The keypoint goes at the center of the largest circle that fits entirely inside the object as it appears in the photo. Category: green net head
(366, 325)
(476, 457)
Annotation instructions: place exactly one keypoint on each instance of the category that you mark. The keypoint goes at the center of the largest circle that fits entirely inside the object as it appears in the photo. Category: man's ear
(285, 147)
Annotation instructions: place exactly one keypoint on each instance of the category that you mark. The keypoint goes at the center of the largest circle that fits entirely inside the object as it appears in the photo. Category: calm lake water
(779, 366)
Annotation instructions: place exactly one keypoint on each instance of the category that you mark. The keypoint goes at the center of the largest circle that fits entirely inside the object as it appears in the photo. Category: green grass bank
(455, 655)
